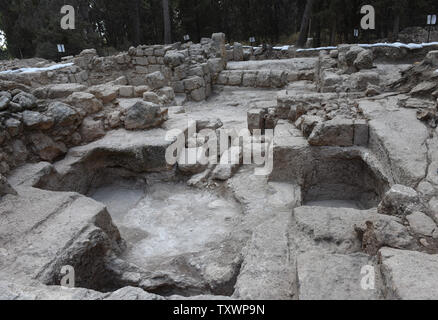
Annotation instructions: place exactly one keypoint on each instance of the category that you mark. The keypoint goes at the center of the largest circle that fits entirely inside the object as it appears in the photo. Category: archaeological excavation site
(218, 171)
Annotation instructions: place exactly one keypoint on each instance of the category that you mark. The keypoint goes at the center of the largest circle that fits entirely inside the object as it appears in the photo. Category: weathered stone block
(139, 90)
(237, 52)
(222, 78)
(361, 132)
(308, 123)
(178, 86)
(192, 161)
(151, 97)
(235, 78)
(142, 115)
(58, 91)
(156, 80)
(422, 225)
(263, 79)
(278, 78)
(229, 163)
(141, 69)
(105, 92)
(159, 51)
(196, 71)
(400, 201)
(361, 80)
(364, 60)
(152, 60)
(409, 275)
(126, 91)
(142, 61)
(330, 81)
(167, 94)
(198, 94)
(91, 129)
(36, 120)
(249, 78)
(174, 58)
(193, 83)
(46, 148)
(85, 101)
(256, 119)
(13, 126)
(336, 132)
(215, 65)
(155, 68)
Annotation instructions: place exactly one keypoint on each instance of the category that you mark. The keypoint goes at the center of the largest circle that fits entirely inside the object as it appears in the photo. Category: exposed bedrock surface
(353, 193)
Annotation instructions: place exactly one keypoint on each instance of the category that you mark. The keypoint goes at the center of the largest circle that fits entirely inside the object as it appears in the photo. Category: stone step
(325, 276)
(334, 229)
(409, 275)
(62, 229)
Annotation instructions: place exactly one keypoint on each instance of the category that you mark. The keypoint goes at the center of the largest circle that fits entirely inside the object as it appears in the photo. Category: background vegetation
(32, 27)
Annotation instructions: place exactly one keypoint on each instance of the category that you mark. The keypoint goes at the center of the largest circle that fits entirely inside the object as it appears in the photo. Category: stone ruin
(85, 182)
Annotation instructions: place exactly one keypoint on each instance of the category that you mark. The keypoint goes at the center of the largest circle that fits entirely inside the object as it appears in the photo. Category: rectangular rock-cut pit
(342, 182)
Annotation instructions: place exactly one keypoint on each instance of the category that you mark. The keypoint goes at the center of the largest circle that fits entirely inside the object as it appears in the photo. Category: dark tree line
(32, 27)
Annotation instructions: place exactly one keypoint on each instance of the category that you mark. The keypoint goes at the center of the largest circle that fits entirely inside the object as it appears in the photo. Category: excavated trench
(166, 220)
(342, 180)
(172, 232)
(187, 241)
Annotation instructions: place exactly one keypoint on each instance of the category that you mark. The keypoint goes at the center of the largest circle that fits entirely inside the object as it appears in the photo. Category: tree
(167, 25)
(32, 27)
(136, 17)
(305, 24)
(398, 6)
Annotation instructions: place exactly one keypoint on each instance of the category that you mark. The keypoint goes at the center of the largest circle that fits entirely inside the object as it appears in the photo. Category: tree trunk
(137, 22)
(317, 42)
(167, 25)
(198, 26)
(333, 34)
(305, 24)
(396, 27)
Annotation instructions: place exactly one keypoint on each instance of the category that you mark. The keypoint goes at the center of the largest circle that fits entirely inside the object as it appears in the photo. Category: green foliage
(4, 54)
(32, 27)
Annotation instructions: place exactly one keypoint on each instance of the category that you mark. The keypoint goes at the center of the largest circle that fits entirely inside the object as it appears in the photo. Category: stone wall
(237, 52)
(253, 78)
(34, 129)
(188, 68)
(346, 69)
(401, 54)
(382, 52)
(45, 112)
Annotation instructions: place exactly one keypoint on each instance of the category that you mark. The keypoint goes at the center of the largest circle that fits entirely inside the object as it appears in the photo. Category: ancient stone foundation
(319, 163)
